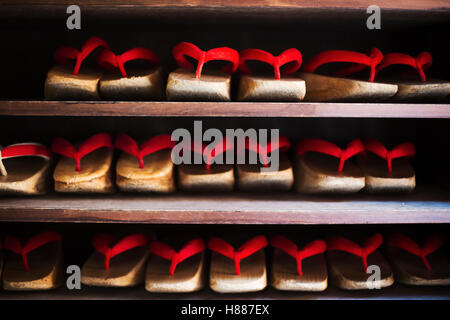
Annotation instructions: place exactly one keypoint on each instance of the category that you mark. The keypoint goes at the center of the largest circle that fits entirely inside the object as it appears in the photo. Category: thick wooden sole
(260, 88)
(318, 174)
(189, 276)
(26, 176)
(158, 174)
(326, 88)
(409, 269)
(45, 273)
(138, 85)
(432, 90)
(347, 272)
(284, 275)
(220, 178)
(61, 84)
(183, 86)
(223, 278)
(126, 269)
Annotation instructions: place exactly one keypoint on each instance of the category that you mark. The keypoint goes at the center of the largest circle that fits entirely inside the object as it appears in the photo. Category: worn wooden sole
(431, 91)
(45, 273)
(156, 176)
(212, 86)
(266, 88)
(284, 275)
(250, 178)
(126, 269)
(318, 173)
(189, 276)
(347, 272)
(61, 84)
(191, 177)
(326, 88)
(95, 175)
(223, 278)
(138, 85)
(26, 176)
(410, 269)
(378, 179)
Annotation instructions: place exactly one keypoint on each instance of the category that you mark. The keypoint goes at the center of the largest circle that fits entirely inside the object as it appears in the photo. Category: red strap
(65, 148)
(33, 243)
(157, 143)
(102, 243)
(402, 150)
(433, 243)
(283, 145)
(317, 145)
(218, 149)
(311, 249)
(247, 249)
(165, 251)
(359, 60)
(292, 57)
(64, 55)
(23, 150)
(188, 49)
(369, 246)
(108, 60)
(422, 62)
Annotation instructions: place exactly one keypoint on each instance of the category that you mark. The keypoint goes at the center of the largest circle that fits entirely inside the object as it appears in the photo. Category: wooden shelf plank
(423, 206)
(397, 291)
(224, 109)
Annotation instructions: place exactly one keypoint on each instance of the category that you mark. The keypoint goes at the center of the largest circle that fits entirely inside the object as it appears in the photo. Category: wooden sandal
(148, 168)
(37, 265)
(315, 169)
(419, 266)
(264, 88)
(116, 262)
(399, 175)
(94, 155)
(231, 276)
(335, 88)
(182, 84)
(190, 275)
(210, 177)
(28, 169)
(307, 273)
(252, 177)
(63, 83)
(130, 84)
(409, 88)
(345, 268)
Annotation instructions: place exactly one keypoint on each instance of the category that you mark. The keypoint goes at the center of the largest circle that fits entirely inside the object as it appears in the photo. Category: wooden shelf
(395, 292)
(224, 109)
(423, 206)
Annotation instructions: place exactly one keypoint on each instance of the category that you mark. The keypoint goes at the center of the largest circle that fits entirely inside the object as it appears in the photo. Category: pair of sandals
(178, 265)
(183, 84)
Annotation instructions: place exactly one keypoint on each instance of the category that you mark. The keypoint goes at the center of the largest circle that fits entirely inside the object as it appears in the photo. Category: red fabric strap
(421, 63)
(359, 61)
(64, 55)
(283, 145)
(65, 148)
(23, 150)
(247, 249)
(433, 243)
(102, 243)
(108, 60)
(165, 251)
(15, 245)
(188, 49)
(311, 249)
(292, 57)
(402, 150)
(317, 145)
(218, 149)
(369, 246)
(157, 143)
